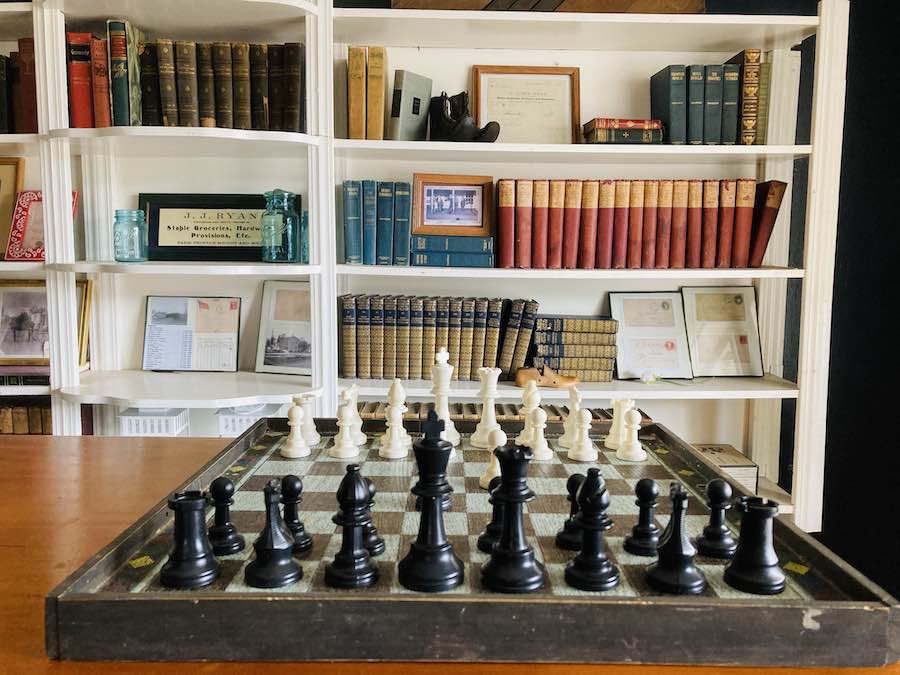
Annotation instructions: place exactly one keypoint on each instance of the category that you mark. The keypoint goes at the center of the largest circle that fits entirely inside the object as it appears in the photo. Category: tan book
(6, 424)
(390, 337)
(376, 336)
(348, 335)
(47, 420)
(737, 465)
(363, 350)
(356, 92)
(454, 336)
(375, 87)
(523, 339)
(479, 335)
(605, 351)
(429, 334)
(575, 362)
(415, 339)
(571, 338)
(401, 352)
(442, 328)
(576, 324)
(587, 375)
(466, 336)
(492, 331)
(19, 420)
(34, 420)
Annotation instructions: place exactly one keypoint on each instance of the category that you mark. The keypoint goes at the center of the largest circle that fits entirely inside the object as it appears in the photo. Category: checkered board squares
(398, 521)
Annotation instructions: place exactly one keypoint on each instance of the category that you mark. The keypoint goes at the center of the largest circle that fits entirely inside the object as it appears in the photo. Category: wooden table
(62, 499)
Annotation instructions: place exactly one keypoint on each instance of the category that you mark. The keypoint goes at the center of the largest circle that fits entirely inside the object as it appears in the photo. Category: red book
(710, 224)
(587, 237)
(506, 222)
(678, 245)
(768, 201)
(555, 224)
(539, 216)
(78, 66)
(745, 195)
(648, 242)
(663, 223)
(620, 223)
(605, 215)
(28, 123)
(694, 223)
(635, 224)
(524, 193)
(726, 222)
(100, 83)
(571, 224)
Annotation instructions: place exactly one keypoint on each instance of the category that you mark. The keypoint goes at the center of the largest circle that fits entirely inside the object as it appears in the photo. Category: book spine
(451, 244)
(186, 76)
(510, 336)
(571, 224)
(555, 217)
(585, 375)
(224, 86)
(506, 222)
(492, 332)
(479, 331)
(587, 236)
(100, 84)
(375, 85)
(621, 201)
(118, 73)
(276, 87)
(648, 231)
(151, 99)
(524, 197)
(240, 73)
(712, 106)
(578, 362)
(523, 339)
(352, 223)
(20, 420)
(416, 356)
(389, 358)
(678, 251)
(620, 123)
(466, 330)
(369, 221)
(441, 327)
(401, 351)
(606, 199)
(539, 224)
(301, 94)
(635, 224)
(259, 86)
(745, 195)
(769, 196)
(384, 229)
(168, 89)
(668, 99)
(6, 422)
(726, 223)
(762, 115)
(78, 67)
(694, 223)
(625, 136)
(401, 246)
(429, 334)
(47, 421)
(581, 350)
(696, 77)
(133, 37)
(443, 259)
(663, 224)
(710, 227)
(376, 336)
(731, 93)
(5, 96)
(363, 348)
(14, 78)
(348, 336)
(749, 99)
(356, 92)
(206, 85)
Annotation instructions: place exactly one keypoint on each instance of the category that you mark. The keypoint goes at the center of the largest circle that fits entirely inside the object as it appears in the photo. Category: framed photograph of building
(446, 204)
(285, 329)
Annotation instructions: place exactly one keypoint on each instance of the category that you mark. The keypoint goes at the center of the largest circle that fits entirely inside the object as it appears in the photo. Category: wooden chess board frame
(81, 624)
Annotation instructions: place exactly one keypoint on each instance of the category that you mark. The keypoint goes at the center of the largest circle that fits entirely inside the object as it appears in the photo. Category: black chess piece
(274, 565)
(754, 568)
(513, 567)
(446, 503)
(191, 563)
(716, 540)
(569, 537)
(223, 535)
(491, 534)
(291, 489)
(374, 544)
(591, 569)
(431, 565)
(644, 537)
(675, 571)
(352, 566)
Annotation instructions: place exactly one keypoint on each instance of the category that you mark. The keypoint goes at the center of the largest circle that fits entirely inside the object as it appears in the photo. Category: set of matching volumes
(366, 73)
(123, 80)
(18, 90)
(635, 224)
(398, 336)
(25, 416)
(724, 104)
(376, 222)
(583, 347)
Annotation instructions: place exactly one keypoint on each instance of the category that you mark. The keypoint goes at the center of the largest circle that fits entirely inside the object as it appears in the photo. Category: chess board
(115, 607)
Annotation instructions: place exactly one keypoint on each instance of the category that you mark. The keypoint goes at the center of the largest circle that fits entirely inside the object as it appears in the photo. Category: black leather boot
(450, 120)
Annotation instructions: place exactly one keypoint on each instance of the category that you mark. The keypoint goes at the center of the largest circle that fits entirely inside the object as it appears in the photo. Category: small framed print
(26, 233)
(24, 325)
(652, 339)
(450, 205)
(12, 175)
(285, 329)
(723, 332)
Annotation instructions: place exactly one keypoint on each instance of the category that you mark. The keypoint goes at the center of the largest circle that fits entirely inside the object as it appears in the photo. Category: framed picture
(533, 104)
(446, 204)
(285, 329)
(12, 174)
(84, 290)
(191, 333)
(24, 327)
(207, 227)
(722, 328)
(652, 339)
(26, 235)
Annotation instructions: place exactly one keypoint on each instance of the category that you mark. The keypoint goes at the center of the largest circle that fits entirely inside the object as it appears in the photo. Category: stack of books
(29, 415)
(584, 347)
(432, 250)
(619, 130)
(376, 222)
(18, 90)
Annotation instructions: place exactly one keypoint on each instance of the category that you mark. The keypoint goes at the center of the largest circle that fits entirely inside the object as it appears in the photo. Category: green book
(118, 72)
(668, 98)
(762, 117)
(731, 93)
(696, 76)
(712, 106)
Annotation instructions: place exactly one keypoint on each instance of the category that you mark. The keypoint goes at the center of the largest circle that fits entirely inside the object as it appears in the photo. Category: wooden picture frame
(475, 190)
(529, 133)
(85, 289)
(12, 176)
(285, 324)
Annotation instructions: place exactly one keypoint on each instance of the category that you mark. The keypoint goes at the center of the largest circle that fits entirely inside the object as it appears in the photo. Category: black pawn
(291, 489)
(675, 571)
(274, 565)
(644, 537)
(352, 566)
(223, 535)
(431, 565)
(373, 543)
(591, 569)
(491, 534)
(754, 568)
(716, 541)
(191, 563)
(513, 567)
(569, 537)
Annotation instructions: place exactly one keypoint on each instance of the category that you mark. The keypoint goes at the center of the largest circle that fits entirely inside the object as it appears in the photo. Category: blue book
(696, 76)
(441, 259)
(384, 231)
(401, 223)
(731, 92)
(712, 106)
(451, 244)
(352, 223)
(369, 221)
(668, 98)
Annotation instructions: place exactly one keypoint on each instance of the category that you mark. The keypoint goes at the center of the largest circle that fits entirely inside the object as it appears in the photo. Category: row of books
(18, 90)
(25, 416)
(24, 376)
(583, 347)
(376, 222)
(617, 224)
(123, 80)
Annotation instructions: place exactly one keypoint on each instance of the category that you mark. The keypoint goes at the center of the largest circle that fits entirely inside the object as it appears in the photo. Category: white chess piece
(394, 442)
(583, 449)
(630, 450)
(441, 372)
(480, 438)
(615, 428)
(531, 400)
(497, 440)
(356, 427)
(344, 446)
(310, 435)
(538, 443)
(570, 426)
(295, 445)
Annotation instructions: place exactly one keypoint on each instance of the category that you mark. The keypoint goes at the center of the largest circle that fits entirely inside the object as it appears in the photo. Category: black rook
(191, 563)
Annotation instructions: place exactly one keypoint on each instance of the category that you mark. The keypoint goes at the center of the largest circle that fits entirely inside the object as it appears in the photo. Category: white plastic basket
(154, 422)
(235, 421)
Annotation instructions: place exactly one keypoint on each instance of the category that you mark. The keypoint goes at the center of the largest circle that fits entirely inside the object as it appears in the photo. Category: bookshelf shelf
(190, 268)
(13, 144)
(31, 269)
(24, 390)
(15, 20)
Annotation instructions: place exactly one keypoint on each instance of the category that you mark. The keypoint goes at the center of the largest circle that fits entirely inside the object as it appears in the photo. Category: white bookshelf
(616, 53)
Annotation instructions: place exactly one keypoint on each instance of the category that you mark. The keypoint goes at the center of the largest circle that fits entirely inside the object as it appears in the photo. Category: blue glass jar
(130, 236)
(280, 228)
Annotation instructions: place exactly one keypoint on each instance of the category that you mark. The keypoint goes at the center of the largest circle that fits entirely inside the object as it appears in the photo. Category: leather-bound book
(276, 87)
(571, 224)
(506, 222)
(348, 335)
(694, 223)
(678, 244)
(768, 201)
(510, 336)
(27, 123)
(620, 224)
(206, 85)
(118, 72)
(441, 329)
(712, 105)
(376, 82)
(151, 102)
(727, 189)
(466, 336)
(454, 334)
(5, 102)
(648, 236)
(240, 75)
(429, 334)
(401, 351)
(635, 224)
(492, 332)
(363, 348)
(186, 77)
(100, 84)
(376, 336)
(555, 215)
(225, 90)
(606, 197)
(668, 102)
(479, 335)
(389, 358)
(292, 112)
(523, 339)
(745, 196)
(259, 86)
(539, 218)
(524, 196)
(748, 107)
(710, 229)
(78, 69)
(14, 91)
(731, 94)
(587, 235)
(356, 92)
(663, 224)
(168, 88)
(695, 91)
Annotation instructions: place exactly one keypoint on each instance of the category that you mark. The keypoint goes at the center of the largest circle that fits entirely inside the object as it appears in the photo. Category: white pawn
(480, 438)
(295, 445)
(310, 435)
(630, 449)
(441, 373)
(497, 440)
(394, 443)
(531, 400)
(344, 446)
(570, 426)
(356, 427)
(539, 447)
(583, 449)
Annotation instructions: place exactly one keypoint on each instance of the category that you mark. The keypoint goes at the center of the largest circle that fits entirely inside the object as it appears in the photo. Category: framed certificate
(722, 328)
(652, 338)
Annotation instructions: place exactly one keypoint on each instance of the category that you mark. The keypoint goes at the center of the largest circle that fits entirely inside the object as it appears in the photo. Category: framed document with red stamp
(26, 235)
